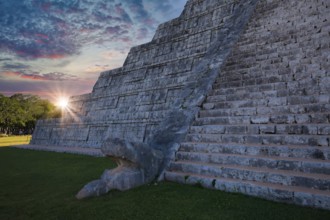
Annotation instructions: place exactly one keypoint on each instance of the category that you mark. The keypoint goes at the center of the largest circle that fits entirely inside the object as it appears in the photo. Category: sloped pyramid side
(131, 102)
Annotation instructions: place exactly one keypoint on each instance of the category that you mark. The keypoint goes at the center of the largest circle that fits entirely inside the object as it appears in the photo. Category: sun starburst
(62, 102)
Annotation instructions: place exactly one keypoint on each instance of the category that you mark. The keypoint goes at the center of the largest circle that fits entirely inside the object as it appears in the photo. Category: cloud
(57, 76)
(43, 40)
(35, 76)
(97, 68)
(54, 29)
(24, 71)
(9, 66)
(142, 32)
(62, 63)
(5, 59)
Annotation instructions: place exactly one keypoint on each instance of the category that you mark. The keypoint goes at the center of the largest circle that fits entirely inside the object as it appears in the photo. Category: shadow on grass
(42, 185)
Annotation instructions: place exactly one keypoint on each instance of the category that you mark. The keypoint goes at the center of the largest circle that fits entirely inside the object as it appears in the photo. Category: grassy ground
(14, 140)
(42, 185)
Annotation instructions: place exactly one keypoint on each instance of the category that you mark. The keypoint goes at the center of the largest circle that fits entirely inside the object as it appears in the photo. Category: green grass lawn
(42, 185)
(14, 140)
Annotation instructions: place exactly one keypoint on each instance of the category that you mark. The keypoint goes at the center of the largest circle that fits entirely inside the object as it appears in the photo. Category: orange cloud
(19, 75)
(11, 74)
(33, 77)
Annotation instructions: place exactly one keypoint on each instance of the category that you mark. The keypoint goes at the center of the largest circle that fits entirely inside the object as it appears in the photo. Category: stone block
(281, 129)
(325, 85)
(298, 129)
(215, 129)
(267, 129)
(277, 101)
(235, 130)
(253, 139)
(324, 130)
(208, 106)
(272, 140)
(42, 133)
(281, 195)
(296, 140)
(319, 118)
(319, 141)
(253, 129)
(309, 129)
(232, 139)
(222, 105)
(316, 108)
(152, 97)
(244, 112)
(324, 98)
(301, 119)
(282, 119)
(218, 98)
(238, 120)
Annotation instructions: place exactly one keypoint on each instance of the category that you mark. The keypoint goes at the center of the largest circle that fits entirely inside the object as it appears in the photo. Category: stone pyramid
(233, 95)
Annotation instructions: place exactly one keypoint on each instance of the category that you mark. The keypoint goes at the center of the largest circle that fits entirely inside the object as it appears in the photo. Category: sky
(54, 48)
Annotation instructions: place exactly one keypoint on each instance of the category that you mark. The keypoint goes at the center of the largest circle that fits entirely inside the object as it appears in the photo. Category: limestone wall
(131, 102)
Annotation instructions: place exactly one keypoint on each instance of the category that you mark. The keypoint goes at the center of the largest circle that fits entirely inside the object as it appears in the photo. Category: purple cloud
(58, 31)
(27, 75)
(52, 29)
(9, 66)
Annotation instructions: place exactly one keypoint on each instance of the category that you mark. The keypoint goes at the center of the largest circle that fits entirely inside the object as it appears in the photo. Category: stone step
(275, 112)
(278, 163)
(265, 139)
(248, 103)
(278, 86)
(246, 80)
(289, 194)
(241, 96)
(255, 129)
(222, 120)
(282, 177)
(232, 80)
(271, 97)
(321, 153)
(317, 118)
(262, 99)
(228, 112)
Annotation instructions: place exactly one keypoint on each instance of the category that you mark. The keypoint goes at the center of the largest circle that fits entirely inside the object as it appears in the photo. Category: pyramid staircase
(264, 135)
(264, 128)
(247, 140)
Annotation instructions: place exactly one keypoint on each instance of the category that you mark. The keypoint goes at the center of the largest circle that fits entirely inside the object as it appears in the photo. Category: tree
(7, 113)
(20, 112)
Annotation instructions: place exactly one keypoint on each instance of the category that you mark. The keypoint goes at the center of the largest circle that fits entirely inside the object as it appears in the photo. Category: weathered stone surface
(145, 108)
(141, 155)
(138, 164)
(272, 109)
(174, 71)
(92, 189)
(257, 96)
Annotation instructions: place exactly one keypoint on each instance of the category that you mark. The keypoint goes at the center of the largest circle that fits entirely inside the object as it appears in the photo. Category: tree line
(19, 113)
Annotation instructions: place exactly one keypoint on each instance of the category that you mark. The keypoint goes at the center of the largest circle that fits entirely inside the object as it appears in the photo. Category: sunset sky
(54, 47)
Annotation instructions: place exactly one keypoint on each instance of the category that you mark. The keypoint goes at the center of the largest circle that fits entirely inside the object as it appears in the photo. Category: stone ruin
(233, 95)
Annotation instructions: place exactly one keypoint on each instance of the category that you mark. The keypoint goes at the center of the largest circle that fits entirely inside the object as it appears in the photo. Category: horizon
(55, 48)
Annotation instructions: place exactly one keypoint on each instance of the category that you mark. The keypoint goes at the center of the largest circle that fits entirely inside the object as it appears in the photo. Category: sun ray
(63, 102)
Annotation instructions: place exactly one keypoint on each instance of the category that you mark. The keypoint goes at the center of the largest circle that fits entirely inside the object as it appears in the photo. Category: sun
(63, 102)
